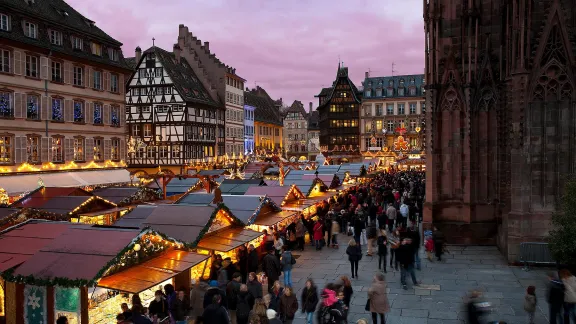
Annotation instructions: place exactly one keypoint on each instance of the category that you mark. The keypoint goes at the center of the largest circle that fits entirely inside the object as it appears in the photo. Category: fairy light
(48, 166)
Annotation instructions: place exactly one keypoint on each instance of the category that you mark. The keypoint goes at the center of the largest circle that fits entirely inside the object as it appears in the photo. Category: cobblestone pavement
(439, 300)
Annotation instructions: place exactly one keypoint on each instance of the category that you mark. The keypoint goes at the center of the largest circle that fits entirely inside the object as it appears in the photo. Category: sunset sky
(288, 47)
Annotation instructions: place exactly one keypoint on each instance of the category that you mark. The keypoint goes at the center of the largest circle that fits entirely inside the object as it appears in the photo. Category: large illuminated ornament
(400, 144)
(135, 144)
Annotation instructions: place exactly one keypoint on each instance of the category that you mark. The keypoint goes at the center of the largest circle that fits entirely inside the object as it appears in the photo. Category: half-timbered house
(170, 109)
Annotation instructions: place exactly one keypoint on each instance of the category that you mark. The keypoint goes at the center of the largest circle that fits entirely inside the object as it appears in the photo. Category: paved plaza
(439, 300)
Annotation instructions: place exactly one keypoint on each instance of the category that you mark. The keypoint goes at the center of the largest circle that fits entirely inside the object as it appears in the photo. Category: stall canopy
(308, 187)
(41, 195)
(22, 242)
(67, 205)
(6, 213)
(198, 199)
(178, 186)
(136, 217)
(217, 172)
(228, 239)
(151, 273)
(116, 194)
(354, 169)
(272, 218)
(79, 252)
(239, 187)
(326, 169)
(18, 184)
(280, 195)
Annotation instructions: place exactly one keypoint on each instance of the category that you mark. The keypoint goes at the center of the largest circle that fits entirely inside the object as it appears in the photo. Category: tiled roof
(131, 62)
(183, 77)
(58, 14)
(297, 107)
(314, 120)
(265, 111)
(383, 83)
(324, 92)
(328, 92)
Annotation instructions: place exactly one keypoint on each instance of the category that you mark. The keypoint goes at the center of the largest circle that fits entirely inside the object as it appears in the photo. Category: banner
(34, 305)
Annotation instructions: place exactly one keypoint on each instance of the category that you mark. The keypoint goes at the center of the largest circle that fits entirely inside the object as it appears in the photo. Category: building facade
(248, 129)
(268, 127)
(339, 119)
(234, 112)
(313, 135)
(500, 99)
(296, 132)
(61, 90)
(392, 118)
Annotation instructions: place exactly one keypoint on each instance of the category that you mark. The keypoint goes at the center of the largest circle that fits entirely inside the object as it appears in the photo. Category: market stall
(125, 196)
(176, 187)
(280, 194)
(308, 187)
(135, 217)
(239, 187)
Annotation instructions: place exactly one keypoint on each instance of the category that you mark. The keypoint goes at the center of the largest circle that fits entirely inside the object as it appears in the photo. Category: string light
(48, 166)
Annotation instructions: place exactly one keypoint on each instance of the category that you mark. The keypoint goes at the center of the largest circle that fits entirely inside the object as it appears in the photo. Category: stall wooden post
(182, 280)
(14, 303)
(84, 305)
(50, 315)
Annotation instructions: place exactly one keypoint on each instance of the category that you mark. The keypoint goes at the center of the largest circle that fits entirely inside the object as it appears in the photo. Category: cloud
(291, 48)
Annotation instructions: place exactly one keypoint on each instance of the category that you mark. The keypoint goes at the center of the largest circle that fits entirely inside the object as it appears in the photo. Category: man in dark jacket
(272, 268)
(414, 235)
(405, 256)
(181, 306)
(232, 290)
(253, 259)
(439, 240)
(215, 313)
(555, 297)
(213, 291)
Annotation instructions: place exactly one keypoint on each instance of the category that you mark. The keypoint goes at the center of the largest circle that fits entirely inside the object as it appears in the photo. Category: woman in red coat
(318, 234)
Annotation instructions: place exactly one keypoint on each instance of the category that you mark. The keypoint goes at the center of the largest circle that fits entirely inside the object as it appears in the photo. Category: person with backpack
(309, 300)
(244, 304)
(382, 243)
(330, 311)
(287, 261)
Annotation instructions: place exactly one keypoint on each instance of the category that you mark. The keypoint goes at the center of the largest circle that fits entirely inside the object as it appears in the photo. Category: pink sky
(288, 47)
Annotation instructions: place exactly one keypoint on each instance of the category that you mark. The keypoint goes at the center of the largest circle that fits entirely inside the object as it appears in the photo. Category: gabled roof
(131, 62)
(324, 92)
(342, 73)
(183, 77)
(60, 15)
(314, 120)
(266, 111)
(394, 82)
(297, 107)
(41, 195)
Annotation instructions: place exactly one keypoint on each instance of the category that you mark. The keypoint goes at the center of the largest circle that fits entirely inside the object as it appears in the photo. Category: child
(530, 303)
(428, 244)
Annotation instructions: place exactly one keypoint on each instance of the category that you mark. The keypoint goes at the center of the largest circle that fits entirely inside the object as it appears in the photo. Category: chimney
(207, 45)
(310, 107)
(177, 52)
(366, 75)
(138, 54)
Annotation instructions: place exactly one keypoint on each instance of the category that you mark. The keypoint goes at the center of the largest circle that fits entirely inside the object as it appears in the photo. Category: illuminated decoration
(137, 247)
(78, 113)
(219, 222)
(32, 108)
(49, 166)
(35, 304)
(40, 182)
(400, 144)
(97, 114)
(135, 144)
(418, 129)
(4, 198)
(5, 106)
(57, 109)
(373, 141)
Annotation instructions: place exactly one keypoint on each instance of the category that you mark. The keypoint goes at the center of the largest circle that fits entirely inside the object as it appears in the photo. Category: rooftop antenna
(393, 65)
(153, 39)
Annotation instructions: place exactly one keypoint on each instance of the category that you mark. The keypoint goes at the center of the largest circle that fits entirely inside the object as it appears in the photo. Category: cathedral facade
(501, 114)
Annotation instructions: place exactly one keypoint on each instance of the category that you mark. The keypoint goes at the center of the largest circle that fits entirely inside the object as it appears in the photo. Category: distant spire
(153, 39)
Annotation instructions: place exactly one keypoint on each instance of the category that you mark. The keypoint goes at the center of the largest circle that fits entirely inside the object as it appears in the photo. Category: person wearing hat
(213, 291)
(272, 319)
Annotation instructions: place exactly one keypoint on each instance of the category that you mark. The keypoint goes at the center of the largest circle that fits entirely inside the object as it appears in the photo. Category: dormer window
(4, 22)
(96, 49)
(55, 37)
(113, 54)
(30, 29)
(391, 83)
(412, 81)
(401, 82)
(412, 91)
(77, 43)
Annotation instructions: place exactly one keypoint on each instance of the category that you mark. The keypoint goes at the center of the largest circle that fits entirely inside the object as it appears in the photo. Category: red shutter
(69, 149)
(106, 114)
(67, 72)
(19, 102)
(68, 113)
(107, 149)
(44, 68)
(18, 69)
(122, 150)
(89, 115)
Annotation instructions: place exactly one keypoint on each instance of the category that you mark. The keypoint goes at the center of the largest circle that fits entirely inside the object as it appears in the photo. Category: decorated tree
(564, 227)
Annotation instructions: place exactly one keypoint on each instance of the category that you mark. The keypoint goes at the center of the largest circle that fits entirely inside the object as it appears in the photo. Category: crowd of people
(380, 218)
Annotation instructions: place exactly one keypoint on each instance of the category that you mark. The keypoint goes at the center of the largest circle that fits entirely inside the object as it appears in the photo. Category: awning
(228, 239)
(105, 211)
(151, 273)
(270, 219)
(17, 184)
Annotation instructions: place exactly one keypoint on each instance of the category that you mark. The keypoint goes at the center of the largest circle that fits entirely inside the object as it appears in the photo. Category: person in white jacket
(569, 282)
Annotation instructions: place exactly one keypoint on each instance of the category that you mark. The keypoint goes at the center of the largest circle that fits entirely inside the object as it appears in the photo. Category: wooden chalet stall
(178, 187)
(62, 275)
(127, 196)
(239, 187)
(281, 195)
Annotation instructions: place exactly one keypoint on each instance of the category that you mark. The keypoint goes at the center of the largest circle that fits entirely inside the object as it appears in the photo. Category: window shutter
(18, 150)
(68, 73)
(19, 102)
(121, 85)
(18, 63)
(43, 68)
(106, 114)
(68, 113)
(107, 81)
(69, 149)
(44, 106)
(44, 147)
(122, 115)
(89, 149)
(107, 149)
(122, 150)
(89, 115)
(89, 82)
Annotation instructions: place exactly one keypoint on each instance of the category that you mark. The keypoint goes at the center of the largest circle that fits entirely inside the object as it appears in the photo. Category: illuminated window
(6, 105)
(98, 114)
(115, 116)
(32, 107)
(57, 109)
(33, 149)
(79, 149)
(57, 149)
(98, 149)
(30, 29)
(96, 49)
(379, 126)
(78, 112)
(6, 149)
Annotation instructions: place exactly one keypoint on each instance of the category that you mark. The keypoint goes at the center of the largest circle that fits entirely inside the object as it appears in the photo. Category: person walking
(328, 227)
(158, 307)
(318, 234)
(391, 215)
(404, 214)
(232, 290)
(569, 282)
(372, 235)
(382, 243)
(244, 304)
(309, 300)
(287, 261)
(394, 239)
(439, 240)
(405, 256)
(354, 256)
(300, 234)
(335, 230)
(275, 294)
(197, 300)
(272, 268)
(555, 298)
(378, 299)
(347, 290)
(253, 259)
(414, 235)
(530, 303)
(215, 312)
(288, 306)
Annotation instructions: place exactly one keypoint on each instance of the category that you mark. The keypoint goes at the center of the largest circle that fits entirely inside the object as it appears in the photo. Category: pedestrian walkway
(439, 299)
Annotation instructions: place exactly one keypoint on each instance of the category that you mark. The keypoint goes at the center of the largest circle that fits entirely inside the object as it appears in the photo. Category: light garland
(49, 166)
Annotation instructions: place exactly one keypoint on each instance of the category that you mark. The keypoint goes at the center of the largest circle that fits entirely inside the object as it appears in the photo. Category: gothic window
(486, 100)
(6, 106)
(32, 111)
(78, 112)
(98, 114)
(451, 100)
(57, 113)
